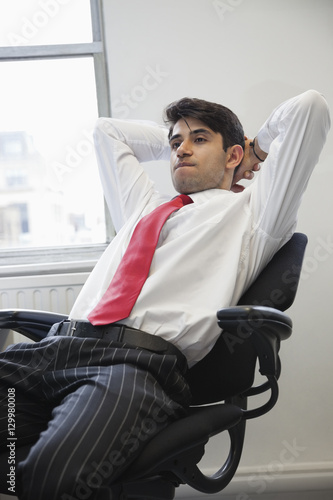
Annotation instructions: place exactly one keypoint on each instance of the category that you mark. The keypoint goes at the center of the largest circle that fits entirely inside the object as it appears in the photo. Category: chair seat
(186, 434)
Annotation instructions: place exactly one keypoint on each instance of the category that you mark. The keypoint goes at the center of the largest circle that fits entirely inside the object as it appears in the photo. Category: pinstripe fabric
(87, 407)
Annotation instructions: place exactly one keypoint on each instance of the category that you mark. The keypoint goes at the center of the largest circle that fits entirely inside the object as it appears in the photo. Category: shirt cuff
(264, 140)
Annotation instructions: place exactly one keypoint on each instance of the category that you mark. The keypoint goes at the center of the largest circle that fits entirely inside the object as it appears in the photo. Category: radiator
(55, 292)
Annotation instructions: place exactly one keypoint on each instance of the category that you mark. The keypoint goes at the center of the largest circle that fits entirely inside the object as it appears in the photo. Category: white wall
(250, 55)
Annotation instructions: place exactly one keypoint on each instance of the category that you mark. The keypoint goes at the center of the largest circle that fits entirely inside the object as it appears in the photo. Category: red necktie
(125, 287)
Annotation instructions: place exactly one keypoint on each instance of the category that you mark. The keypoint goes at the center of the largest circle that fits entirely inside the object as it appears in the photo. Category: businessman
(92, 393)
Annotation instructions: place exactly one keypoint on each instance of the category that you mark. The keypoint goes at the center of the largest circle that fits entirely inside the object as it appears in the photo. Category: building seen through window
(32, 212)
(50, 192)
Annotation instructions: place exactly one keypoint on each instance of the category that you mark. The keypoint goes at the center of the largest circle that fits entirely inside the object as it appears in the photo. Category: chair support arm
(265, 327)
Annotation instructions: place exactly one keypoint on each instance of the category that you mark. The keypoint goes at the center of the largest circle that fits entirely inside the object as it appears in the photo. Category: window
(53, 86)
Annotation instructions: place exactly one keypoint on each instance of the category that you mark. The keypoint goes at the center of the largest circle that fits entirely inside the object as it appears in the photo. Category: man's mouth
(184, 164)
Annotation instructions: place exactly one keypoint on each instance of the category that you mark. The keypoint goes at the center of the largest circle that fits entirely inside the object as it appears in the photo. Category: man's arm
(121, 147)
(294, 136)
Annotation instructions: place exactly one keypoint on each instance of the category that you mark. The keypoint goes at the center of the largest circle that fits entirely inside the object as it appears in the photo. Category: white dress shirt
(210, 251)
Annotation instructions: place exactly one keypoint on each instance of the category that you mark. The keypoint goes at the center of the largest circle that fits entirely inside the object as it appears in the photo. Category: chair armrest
(243, 320)
(31, 323)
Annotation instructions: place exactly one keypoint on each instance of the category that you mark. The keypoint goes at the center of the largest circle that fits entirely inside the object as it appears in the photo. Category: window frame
(36, 260)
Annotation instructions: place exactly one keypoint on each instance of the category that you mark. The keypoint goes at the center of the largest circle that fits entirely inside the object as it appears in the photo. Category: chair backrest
(226, 371)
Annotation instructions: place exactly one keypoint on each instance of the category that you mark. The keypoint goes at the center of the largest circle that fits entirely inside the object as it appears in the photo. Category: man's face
(197, 157)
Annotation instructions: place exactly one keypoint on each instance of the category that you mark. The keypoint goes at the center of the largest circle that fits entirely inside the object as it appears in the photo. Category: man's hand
(249, 165)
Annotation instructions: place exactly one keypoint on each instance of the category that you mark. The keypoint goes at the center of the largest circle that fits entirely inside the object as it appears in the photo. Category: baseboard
(306, 482)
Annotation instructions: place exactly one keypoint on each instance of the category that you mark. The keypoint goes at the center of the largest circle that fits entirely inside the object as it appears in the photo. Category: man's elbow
(317, 106)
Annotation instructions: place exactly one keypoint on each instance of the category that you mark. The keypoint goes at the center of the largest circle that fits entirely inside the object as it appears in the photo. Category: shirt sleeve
(294, 136)
(121, 147)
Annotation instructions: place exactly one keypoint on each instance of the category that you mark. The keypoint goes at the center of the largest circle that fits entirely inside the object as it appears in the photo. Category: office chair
(221, 383)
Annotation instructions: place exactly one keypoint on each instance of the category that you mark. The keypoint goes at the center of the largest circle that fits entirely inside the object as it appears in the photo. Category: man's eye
(175, 145)
(200, 139)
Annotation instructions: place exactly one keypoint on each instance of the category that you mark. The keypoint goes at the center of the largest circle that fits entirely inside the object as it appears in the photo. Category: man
(86, 405)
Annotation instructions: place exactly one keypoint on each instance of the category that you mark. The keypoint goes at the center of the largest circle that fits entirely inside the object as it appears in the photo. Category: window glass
(50, 192)
(44, 22)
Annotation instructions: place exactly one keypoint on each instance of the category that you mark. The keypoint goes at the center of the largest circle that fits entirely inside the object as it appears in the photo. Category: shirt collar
(209, 194)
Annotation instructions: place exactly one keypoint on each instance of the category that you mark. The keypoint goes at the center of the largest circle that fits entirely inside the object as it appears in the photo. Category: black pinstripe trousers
(84, 409)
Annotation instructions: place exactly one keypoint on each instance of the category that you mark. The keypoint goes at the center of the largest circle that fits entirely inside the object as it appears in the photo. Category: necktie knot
(186, 199)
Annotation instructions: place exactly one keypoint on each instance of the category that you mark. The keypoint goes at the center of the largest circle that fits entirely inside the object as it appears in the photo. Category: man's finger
(248, 175)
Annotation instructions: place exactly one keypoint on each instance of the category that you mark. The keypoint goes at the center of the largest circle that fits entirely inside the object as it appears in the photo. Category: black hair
(217, 117)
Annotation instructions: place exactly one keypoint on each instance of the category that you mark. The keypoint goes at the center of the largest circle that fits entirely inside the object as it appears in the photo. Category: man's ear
(235, 155)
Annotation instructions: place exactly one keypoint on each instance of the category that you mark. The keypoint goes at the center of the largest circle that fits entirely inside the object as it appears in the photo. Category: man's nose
(184, 149)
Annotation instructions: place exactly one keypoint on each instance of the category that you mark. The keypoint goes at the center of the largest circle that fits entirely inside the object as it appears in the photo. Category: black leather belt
(120, 333)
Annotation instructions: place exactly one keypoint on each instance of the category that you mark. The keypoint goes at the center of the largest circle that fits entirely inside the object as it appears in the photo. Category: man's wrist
(257, 151)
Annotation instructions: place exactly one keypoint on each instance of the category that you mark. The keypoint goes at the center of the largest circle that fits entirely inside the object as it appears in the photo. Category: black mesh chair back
(227, 371)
